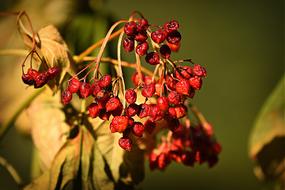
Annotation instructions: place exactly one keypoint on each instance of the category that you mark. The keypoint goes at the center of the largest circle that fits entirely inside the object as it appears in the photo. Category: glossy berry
(145, 110)
(183, 87)
(130, 28)
(128, 44)
(165, 51)
(171, 26)
(199, 71)
(53, 72)
(158, 36)
(104, 115)
(136, 78)
(195, 82)
(73, 85)
(174, 37)
(152, 58)
(119, 124)
(105, 81)
(95, 88)
(147, 80)
(131, 96)
(141, 36)
(162, 103)
(84, 90)
(66, 97)
(113, 104)
(142, 25)
(148, 90)
(132, 110)
(32, 72)
(27, 79)
(40, 80)
(125, 143)
(174, 98)
(174, 47)
(170, 82)
(142, 48)
(93, 110)
(138, 129)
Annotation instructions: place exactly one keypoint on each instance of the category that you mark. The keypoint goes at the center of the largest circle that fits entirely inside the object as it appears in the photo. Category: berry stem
(12, 171)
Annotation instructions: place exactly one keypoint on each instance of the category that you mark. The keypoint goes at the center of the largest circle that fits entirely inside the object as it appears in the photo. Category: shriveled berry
(132, 110)
(141, 36)
(138, 129)
(165, 51)
(142, 25)
(147, 80)
(174, 98)
(158, 36)
(125, 143)
(152, 58)
(155, 113)
(113, 104)
(162, 103)
(28, 79)
(142, 48)
(128, 44)
(149, 126)
(183, 87)
(93, 110)
(53, 72)
(41, 79)
(185, 71)
(170, 82)
(119, 124)
(84, 90)
(174, 47)
(199, 71)
(73, 85)
(130, 28)
(131, 96)
(66, 97)
(105, 81)
(104, 115)
(171, 26)
(95, 88)
(145, 110)
(177, 111)
(136, 78)
(195, 82)
(148, 90)
(174, 37)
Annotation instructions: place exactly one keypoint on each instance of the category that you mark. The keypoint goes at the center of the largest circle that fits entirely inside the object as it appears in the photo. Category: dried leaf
(267, 140)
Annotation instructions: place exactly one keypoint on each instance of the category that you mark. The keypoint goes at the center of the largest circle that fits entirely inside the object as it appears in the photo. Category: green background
(241, 43)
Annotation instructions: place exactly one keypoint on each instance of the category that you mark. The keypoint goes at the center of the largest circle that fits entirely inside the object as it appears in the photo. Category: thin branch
(12, 171)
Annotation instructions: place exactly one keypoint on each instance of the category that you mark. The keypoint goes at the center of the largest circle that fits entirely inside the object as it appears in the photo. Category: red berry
(53, 72)
(149, 126)
(183, 87)
(132, 110)
(162, 103)
(138, 129)
(104, 115)
(195, 82)
(163, 160)
(185, 71)
(131, 123)
(28, 79)
(136, 79)
(153, 160)
(147, 80)
(174, 47)
(174, 37)
(141, 36)
(148, 90)
(128, 44)
(145, 110)
(142, 24)
(158, 36)
(188, 158)
(32, 72)
(66, 97)
(174, 98)
(155, 113)
(73, 85)
(200, 71)
(113, 104)
(119, 124)
(152, 58)
(93, 110)
(125, 143)
(131, 96)
(171, 26)
(40, 80)
(105, 81)
(84, 90)
(165, 51)
(142, 48)
(177, 112)
(95, 88)
(170, 82)
(130, 28)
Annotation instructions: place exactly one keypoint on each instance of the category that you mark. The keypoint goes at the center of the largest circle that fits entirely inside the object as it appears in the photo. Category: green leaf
(267, 140)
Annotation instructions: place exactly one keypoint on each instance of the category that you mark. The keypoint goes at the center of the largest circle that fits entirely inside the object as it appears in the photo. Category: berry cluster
(188, 145)
(39, 79)
(166, 38)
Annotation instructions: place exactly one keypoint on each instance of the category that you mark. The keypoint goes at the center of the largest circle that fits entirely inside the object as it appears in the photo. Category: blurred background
(241, 43)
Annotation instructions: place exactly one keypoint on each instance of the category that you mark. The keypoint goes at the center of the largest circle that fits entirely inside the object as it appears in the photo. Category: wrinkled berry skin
(66, 97)
(113, 104)
(125, 143)
(131, 96)
(174, 98)
(141, 37)
(158, 36)
(183, 87)
(130, 28)
(174, 37)
(27, 79)
(152, 58)
(73, 85)
(138, 129)
(128, 44)
(142, 48)
(84, 90)
(40, 80)
(148, 90)
(105, 81)
(199, 71)
(119, 124)
(171, 26)
(195, 82)
(162, 103)
(53, 72)
(142, 24)
(93, 110)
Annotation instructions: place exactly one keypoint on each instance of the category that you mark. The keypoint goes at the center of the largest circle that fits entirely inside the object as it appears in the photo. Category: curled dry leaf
(267, 139)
